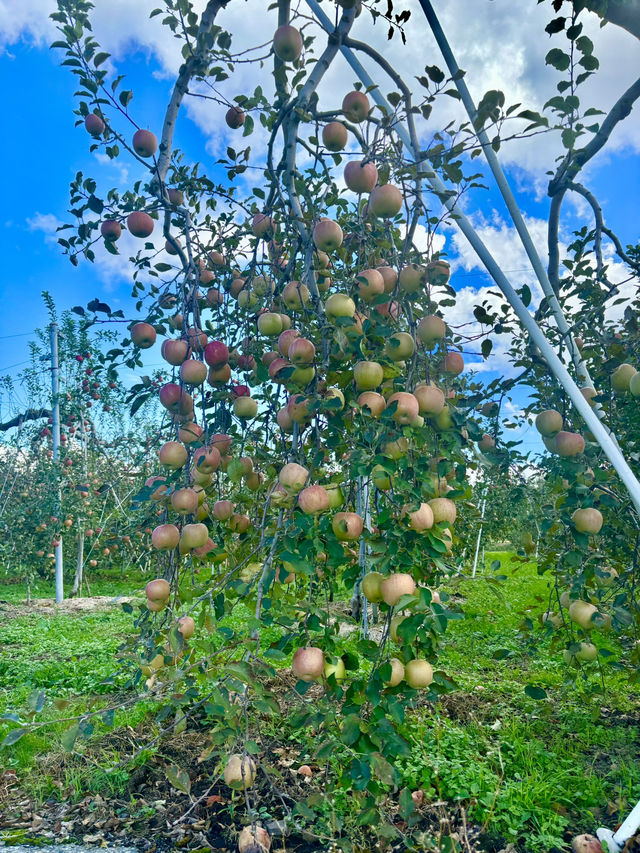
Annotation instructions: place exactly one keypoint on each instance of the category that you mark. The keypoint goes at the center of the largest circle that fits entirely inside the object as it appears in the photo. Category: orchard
(306, 480)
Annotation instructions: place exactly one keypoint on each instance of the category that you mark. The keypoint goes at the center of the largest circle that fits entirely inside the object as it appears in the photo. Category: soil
(68, 607)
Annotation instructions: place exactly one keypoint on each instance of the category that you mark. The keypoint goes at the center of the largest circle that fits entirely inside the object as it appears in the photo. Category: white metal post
(600, 433)
(475, 559)
(505, 190)
(55, 417)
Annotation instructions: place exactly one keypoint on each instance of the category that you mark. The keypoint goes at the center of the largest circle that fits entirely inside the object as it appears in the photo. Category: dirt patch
(151, 813)
(68, 607)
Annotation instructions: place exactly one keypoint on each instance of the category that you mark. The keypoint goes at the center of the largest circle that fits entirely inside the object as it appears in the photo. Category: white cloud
(47, 223)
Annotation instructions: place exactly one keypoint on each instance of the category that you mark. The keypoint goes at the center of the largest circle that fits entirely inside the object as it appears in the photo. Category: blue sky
(42, 149)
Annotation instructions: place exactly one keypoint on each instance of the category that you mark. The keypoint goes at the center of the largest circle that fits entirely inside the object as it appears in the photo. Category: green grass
(529, 771)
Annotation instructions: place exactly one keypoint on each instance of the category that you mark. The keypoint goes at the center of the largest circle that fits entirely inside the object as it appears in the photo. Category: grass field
(527, 771)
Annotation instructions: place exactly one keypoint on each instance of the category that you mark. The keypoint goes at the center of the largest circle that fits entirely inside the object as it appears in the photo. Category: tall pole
(479, 539)
(594, 424)
(55, 407)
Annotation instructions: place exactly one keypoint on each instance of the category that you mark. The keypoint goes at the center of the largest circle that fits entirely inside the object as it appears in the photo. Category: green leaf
(558, 58)
(535, 692)
(13, 737)
(69, 738)
(179, 778)
(35, 700)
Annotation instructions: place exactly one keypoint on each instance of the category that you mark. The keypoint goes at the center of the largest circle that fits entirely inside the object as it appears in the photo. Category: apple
(622, 376)
(586, 844)
(418, 673)
(486, 443)
(299, 409)
(216, 353)
(371, 287)
(395, 586)
(287, 43)
(385, 201)
(175, 400)
(452, 363)
(355, 106)
(239, 772)
(397, 448)
(194, 536)
(371, 587)
(172, 455)
(262, 225)
(313, 500)
(347, 526)
(337, 670)
(245, 408)
(588, 520)
(339, 305)
(443, 509)
(421, 518)
(295, 295)
(145, 143)
(430, 399)
(176, 197)
(327, 235)
(94, 124)
(587, 652)
(207, 459)
(254, 839)
(334, 136)
(214, 297)
(380, 478)
(372, 403)
(219, 375)
(140, 224)
(568, 443)
(411, 278)
(581, 612)
(368, 375)
(430, 330)
(400, 346)
(193, 372)
(174, 351)
(438, 272)
(157, 592)
(239, 522)
(549, 422)
(143, 335)
(406, 407)
(222, 510)
(397, 672)
(286, 339)
(301, 351)
(292, 477)
(165, 537)
(111, 230)
(234, 118)
(308, 663)
(185, 501)
(389, 276)
(186, 626)
(360, 176)
(190, 432)
(634, 385)
(269, 324)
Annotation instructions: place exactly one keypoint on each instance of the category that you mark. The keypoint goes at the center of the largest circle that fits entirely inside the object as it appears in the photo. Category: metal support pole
(505, 190)
(556, 366)
(479, 539)
(616, 840)
(55, 409)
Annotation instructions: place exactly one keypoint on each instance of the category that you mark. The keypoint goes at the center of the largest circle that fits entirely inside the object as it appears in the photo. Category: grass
(529, 771)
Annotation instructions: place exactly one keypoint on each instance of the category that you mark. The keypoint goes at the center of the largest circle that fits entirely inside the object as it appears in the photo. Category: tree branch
(29, 415)
(573, 164)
